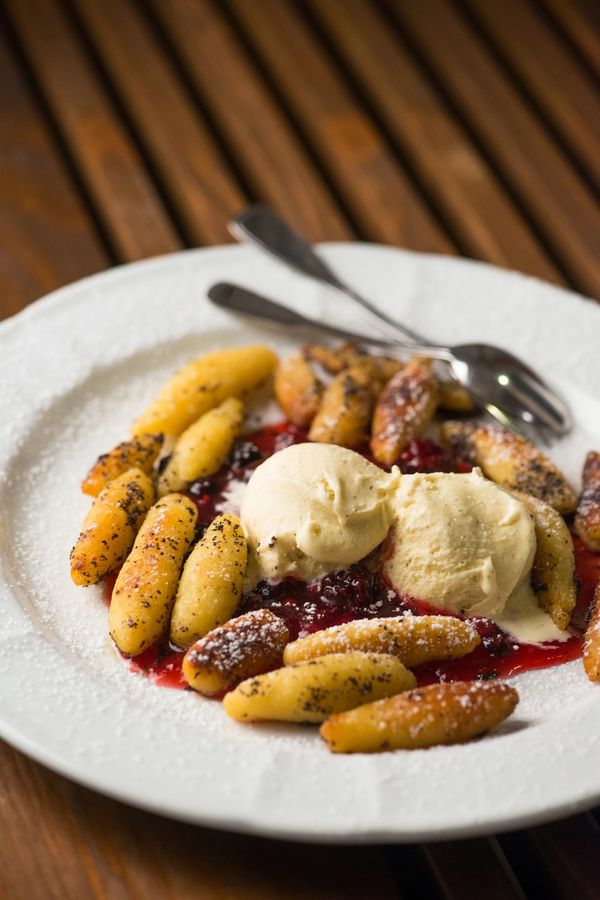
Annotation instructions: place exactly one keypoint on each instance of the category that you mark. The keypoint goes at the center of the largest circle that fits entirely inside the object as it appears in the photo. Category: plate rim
(356, 837)
(27, 745)
(44, 301)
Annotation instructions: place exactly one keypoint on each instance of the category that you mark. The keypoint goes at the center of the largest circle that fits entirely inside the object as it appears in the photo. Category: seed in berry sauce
(202, 486)
(353, 587)
(426, 456)
(244, 454)
(358, 592)
(495, 641)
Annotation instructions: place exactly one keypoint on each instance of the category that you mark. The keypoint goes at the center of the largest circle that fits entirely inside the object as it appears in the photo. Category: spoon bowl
(497, 378)
(508, 389)
(501, 382)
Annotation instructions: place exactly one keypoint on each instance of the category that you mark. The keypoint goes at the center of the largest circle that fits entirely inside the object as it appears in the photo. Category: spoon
(509, 389)
(490, 393)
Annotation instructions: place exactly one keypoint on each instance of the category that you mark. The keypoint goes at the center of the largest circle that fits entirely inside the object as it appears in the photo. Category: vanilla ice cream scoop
(460, 542)
(313, 508)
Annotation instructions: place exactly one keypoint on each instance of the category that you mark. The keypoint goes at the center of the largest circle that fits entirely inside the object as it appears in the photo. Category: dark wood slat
(262, 141)
(570, 853)
(527, 865)
(46, 237)
(113, 171)
(60, 840)
(63, 841)
(413, 873)
(480, 213)
(580, 19)
(550, 73)
(471, 870)
(538, 173)
(357, 159)
(191, 167)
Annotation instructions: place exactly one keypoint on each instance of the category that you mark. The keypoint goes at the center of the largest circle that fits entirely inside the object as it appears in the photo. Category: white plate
(74, 369)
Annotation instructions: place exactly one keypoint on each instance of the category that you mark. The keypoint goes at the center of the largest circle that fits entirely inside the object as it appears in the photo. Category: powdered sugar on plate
(75, 370)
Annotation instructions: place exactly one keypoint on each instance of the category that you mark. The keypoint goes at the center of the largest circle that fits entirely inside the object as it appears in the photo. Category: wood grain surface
(511, 133)
(130, 128)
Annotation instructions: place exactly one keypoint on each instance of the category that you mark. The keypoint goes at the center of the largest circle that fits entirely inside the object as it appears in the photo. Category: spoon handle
(262, 226)
(245, 302)
(254, 306)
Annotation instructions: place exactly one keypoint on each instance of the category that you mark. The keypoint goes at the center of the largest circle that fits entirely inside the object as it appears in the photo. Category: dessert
(587, 518)
(552, 574)
(298, 390)
(303, 571)
(139, 453)
(202, 385)
(438, 714)
(312, 690)
(511, 461)
(144, 592)
(461, 539)
(591, 643)
(203, 447)
(345, 410)
(247, 645)
(314, 508)
(110, 527)
(211, 583)
(404, 409)
(413, 639)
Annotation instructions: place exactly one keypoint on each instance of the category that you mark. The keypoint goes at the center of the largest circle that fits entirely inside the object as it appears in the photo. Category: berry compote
(362, 591)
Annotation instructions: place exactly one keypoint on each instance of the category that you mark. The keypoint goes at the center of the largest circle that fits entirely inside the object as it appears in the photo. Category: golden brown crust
(437, 714)
(145, 588)
(386, 368)
(246, 646)
(298, 390)
(203, 447)
(404, 410)
(553, 570)
(310, 691)
(455, 398)
(413, 639)
(336, 359)
(212, 581)
(205, 383)
(345, 410)
(110, 527)
(140, 453)
(587, 518)
(591, 641)
(333, 359)
(511, 461)
(380, 369)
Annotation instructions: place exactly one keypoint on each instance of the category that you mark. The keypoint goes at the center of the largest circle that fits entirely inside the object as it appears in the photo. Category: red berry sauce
(362, 592)
(162, 662)
(358, 593)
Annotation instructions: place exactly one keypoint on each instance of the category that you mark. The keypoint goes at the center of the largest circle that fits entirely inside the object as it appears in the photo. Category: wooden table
(129, 129)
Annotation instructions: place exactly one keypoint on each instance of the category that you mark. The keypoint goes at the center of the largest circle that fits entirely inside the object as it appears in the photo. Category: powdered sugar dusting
(414, 639)
(66, 696)
(232, 497)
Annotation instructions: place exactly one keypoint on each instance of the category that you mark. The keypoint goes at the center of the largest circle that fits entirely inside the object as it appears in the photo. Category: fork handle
(262, 226)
